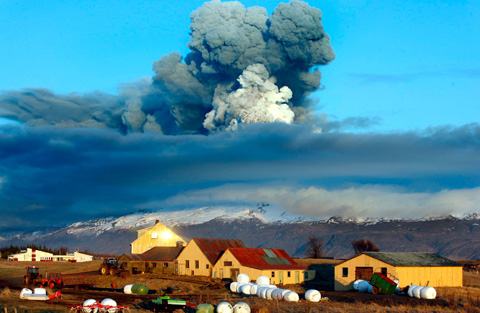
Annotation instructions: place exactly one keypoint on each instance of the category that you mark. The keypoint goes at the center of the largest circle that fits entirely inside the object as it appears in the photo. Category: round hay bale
(263, 281)
(313, 295)
(428, 293)
(416, 291)
(233, 286)
(243, 278)
(291, 296)
(128, 289)
(241, 307)
(224, 307)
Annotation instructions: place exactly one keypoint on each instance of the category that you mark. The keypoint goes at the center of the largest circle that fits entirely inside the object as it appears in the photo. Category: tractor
(109, 266)
(52, 281)
(32, 276)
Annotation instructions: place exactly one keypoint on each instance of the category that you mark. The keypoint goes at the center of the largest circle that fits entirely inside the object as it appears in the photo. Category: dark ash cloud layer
(73, 174)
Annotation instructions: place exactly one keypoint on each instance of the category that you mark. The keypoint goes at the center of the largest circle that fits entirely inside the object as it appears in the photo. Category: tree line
(315, 247)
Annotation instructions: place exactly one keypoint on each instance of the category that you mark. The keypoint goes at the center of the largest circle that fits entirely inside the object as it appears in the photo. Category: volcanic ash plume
(258, 100)
(226, 79)
(231, 43)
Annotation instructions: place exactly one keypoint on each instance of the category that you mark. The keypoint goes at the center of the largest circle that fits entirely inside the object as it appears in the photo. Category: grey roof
(412, 259)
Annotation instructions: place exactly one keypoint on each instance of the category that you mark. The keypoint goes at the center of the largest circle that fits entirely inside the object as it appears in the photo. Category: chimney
(157, 221)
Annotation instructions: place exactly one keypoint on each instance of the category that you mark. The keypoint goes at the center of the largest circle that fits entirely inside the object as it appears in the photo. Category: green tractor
(109, 266)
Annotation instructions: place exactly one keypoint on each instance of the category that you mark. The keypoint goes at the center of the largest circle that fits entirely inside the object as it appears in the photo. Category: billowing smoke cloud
(234, 52)
(258, 100)
(238, 51)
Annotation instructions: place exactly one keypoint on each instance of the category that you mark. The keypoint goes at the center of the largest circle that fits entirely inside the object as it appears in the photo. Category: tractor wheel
(112, 272)
(52, 285)
(103, 270)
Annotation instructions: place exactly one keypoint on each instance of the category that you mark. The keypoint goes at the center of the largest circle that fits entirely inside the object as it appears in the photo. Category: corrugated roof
(264, 259)
(213, 247)
(412, 259)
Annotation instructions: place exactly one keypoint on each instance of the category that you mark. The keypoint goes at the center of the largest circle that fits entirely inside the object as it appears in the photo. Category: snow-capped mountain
(456, 237)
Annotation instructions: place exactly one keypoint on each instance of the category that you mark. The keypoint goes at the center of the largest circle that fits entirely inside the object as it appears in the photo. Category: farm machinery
(110, 266)
(33, 278)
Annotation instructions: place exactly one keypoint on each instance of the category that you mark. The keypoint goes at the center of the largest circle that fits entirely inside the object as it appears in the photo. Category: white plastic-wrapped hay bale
(268, 293)
(262, 293)
(416, 291)
(253, 289)
(241, 307)
(127, 289)
(239, 287)
(25, 292)
(40, 291)
(263, 281)
(233, 286)
(356, 283)
(313, 295)
(87, 306)
(277, 294)
(224, 307)
(246, 289)
(365, 287)
(110, 305)
(243, 278)
(291, 296)
(428, 293)
(410, 289)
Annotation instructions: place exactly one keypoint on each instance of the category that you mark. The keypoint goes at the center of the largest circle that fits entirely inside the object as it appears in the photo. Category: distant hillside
(449, 236)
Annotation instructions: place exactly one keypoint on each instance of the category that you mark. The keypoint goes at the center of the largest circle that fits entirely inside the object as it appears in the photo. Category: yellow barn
(158, 235)
(200, 254)
(273, 263)
(423, 269)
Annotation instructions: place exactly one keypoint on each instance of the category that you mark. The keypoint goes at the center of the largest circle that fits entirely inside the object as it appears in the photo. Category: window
(187, 264)
(384, 271)
(197, 264)
(273, 274)
(344, 271)
(227, 263)
(207, 266)
(289, 274)
(165, 264)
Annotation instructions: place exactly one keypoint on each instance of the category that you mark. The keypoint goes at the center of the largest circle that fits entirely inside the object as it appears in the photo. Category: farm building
(200, 254)
(34, 255)
(424, 269)
(158, 235)
(159, 260)
(273, 263)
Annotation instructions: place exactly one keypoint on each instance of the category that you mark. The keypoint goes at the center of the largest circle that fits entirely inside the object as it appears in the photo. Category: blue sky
(77, 148)
(410, 64)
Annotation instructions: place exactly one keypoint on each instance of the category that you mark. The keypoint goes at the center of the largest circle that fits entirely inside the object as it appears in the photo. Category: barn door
(364, 273)
(234, 273)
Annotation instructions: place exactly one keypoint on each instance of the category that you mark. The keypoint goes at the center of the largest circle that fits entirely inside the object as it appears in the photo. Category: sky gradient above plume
(362, 109)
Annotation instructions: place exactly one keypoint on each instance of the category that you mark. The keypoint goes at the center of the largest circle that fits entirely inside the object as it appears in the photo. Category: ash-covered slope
(458, 238)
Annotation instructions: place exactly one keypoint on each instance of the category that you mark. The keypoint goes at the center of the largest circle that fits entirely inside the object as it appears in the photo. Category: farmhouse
(424, 269)
(34, 255)
(200, 254)
(158, 235)
(273, 263)
(159, 260)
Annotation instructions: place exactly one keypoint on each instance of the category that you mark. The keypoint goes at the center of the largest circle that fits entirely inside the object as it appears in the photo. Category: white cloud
(367, 201)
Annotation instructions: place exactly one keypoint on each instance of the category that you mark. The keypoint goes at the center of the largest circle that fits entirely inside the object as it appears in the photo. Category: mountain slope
(458, 238)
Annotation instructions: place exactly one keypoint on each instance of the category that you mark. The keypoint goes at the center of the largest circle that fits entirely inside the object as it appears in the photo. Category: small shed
(158, 260)
(418, 268)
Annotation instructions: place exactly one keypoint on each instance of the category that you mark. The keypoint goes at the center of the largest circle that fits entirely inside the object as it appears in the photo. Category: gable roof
(166, 254)
(212, 248)
(412, 259)
(264, 259)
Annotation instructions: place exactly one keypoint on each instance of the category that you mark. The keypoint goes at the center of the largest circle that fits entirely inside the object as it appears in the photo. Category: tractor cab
(32, 276)
(33, 271)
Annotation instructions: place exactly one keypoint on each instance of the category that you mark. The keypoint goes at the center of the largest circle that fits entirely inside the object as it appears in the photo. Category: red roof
(213, 248)
(265, 259)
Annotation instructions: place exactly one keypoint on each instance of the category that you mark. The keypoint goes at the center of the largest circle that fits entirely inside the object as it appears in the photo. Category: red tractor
(52, 281)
